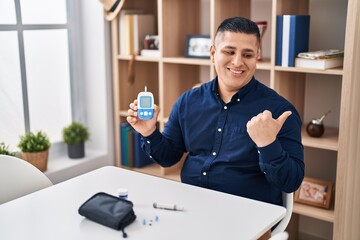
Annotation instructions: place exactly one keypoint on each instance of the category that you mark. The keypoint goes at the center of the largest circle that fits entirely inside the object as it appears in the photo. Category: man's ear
(259, 53)
(212, 52)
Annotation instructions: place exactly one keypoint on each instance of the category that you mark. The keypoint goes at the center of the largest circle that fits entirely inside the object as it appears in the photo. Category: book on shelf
(131, 153)
(131, 147)
(124, 29)
(292, 37)
(321, 59)
(153, 53)
(124, 137)
(278, 43)
(129, 34)
(321, 54)
(319, 63)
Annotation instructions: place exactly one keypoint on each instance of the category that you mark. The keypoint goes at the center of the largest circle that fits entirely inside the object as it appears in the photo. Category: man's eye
(230, 52)
(248, 55)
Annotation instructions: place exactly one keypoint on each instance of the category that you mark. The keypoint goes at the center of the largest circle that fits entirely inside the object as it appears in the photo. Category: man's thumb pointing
(283, 117)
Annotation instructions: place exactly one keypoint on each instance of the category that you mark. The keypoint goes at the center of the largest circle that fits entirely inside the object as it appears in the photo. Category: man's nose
(237, 60)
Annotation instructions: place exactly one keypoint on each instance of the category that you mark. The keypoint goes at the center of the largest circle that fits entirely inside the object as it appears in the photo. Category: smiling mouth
(236, 71)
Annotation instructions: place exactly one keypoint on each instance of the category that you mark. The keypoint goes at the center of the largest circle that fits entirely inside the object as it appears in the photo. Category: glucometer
(145, 105)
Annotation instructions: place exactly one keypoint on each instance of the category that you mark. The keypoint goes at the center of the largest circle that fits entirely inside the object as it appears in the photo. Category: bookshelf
(172, 74)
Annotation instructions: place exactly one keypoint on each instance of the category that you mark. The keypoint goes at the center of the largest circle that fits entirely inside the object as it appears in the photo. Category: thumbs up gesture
(263, 129)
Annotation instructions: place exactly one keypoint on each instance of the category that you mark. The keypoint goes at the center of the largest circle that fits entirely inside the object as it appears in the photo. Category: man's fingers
(133, 105)
(131, 120)
(283, 117)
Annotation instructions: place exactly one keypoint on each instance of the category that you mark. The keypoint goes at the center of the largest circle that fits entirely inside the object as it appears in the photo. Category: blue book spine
(124, 146)
(299, 36)
(279, 33)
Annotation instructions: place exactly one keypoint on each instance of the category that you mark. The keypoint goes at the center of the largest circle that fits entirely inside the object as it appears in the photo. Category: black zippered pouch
(108, 210)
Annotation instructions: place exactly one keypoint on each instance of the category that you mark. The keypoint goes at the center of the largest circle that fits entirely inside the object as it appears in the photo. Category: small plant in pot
(4, 150)
(35, 149)
(75, 136)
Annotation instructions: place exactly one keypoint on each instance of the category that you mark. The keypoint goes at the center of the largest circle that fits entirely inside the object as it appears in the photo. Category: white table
(52, 213)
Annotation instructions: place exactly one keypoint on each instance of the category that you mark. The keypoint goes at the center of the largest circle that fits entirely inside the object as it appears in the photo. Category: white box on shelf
(323, 64)
(155, 53)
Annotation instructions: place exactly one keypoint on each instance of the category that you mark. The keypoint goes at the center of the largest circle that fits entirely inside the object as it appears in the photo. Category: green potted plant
(75, 136)
(4, 150)
(35, 149)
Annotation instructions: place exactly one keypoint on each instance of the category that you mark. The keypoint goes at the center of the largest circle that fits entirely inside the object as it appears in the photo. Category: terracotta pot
(38, 159)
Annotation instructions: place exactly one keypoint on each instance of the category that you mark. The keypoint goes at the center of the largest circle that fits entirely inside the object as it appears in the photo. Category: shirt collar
(240, 94)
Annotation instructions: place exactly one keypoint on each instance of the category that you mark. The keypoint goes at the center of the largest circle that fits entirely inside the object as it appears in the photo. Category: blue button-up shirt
(221, 154)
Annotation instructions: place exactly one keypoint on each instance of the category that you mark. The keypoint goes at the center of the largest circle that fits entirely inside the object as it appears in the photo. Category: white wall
(94, 59)
(96, 89)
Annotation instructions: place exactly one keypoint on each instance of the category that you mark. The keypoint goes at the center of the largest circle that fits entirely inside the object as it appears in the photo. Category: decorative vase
(315, 127)
(38, 159)
(262, 25)
(76, 150)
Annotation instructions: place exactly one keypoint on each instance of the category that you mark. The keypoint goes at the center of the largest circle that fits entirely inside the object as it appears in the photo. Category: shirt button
(238, 99)
(214, 153)
(204, 173)
(148, 141)
(258, 152)
(265, 173)
(150, 156)
(219, 129)
(225, 107)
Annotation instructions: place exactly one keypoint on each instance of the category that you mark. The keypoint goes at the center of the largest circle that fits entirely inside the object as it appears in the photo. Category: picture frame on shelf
(314, 192)
(198, 46)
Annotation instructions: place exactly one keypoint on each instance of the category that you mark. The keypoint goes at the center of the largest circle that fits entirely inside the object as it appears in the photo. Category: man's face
(234, 56)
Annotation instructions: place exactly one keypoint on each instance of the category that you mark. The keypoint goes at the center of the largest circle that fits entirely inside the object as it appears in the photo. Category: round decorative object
(315, 129)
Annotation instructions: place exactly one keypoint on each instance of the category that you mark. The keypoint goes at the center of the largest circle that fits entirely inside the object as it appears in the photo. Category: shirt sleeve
(160, 147)
(283, 160)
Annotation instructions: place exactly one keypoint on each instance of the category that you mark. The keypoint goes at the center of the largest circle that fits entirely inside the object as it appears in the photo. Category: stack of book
(134, 26)
(322, 59)
(292, 37)
(131, 153)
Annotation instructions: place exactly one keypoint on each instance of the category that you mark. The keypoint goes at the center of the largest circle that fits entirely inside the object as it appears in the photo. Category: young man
(242, 137)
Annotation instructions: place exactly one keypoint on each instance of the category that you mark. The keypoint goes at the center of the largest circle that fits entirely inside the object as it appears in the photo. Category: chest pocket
(239, 140)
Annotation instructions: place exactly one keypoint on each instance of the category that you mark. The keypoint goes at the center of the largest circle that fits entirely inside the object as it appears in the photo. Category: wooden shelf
(332, 71)
(190, 61)
(329, 141)
(314, 212)
(264, 64)
(139, 58)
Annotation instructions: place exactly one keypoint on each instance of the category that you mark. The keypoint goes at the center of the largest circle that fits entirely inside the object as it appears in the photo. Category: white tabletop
(52, 213)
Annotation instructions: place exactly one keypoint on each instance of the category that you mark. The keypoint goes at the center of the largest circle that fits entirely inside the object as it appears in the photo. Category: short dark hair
(239, 25)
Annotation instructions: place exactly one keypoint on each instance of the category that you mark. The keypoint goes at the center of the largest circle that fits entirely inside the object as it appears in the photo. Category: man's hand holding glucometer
(146, 123)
